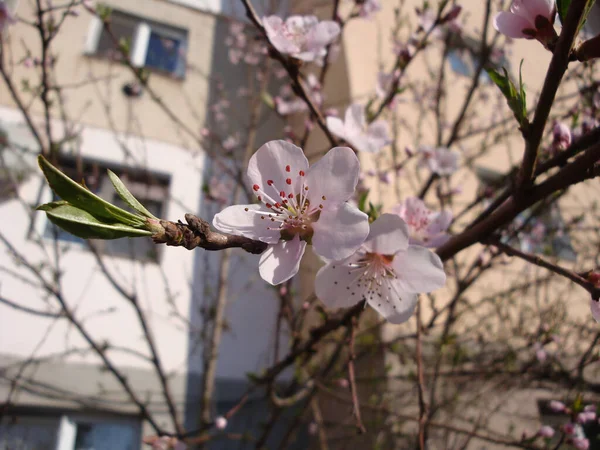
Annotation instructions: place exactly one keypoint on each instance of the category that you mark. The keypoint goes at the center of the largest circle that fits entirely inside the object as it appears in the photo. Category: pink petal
(418, 270)
(355, 121)
(332, 283)
(236, 220)
(334, 177)
(398, 308)
(323, 34)
(512, 25)
(439, 222)
(336, 126)
(379, 135)
(534, 8)
(281, 261)
(595, 308)
(275, 32)
(388, 235)
(270, 163)
(340, 232)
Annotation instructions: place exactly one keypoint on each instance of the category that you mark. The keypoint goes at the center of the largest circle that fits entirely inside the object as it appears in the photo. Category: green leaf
(81, 197)
(84, 225)
(586, 12)
(516, 99)
(562, 6)
(362, 201)
(127, 196)
(50, 206)
(268, 100)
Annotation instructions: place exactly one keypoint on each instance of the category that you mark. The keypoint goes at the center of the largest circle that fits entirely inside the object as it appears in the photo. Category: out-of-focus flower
(427, 228)
(581, 443)
(546, 431)
(220, 423)
(302, 37)
(386, 271)
(165, 443)
(354, 130)
(288, 103)
(586, 416)
(6, 17)
(557, 406)
(441, 161)
(561, 135)
(528, 19)
(569, 428)
(299, 205)
(385, 81)
(369, 7)
(540, 352)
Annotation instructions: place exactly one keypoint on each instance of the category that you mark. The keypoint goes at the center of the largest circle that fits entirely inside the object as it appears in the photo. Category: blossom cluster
(302, 205)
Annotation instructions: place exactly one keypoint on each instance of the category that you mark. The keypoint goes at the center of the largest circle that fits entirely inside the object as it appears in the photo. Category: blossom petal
(335, 285)
(544, 8)
(511, 25)
(334, 177)
(354, 119)
(270, 162)
(322, 34)
(340, 232)
(388, 235)
(418, 270)
(281, 261)
(439, 222)
(336, 126)
(245, 220)
(379, 135)
(398, 307)
(274, 27)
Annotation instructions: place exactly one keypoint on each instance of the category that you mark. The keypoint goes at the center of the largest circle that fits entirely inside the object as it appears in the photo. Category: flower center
(291, 213)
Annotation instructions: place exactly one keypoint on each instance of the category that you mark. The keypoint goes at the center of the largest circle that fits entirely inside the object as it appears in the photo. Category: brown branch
(556, 70)
(197, 234)
(352, 380)
(538, 261)
(423, 413)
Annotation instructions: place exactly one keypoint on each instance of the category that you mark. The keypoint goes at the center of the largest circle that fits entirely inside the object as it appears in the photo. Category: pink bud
(581, 443)
(546, 431)
(561, 135)
(283, 290)
(305, 306)
(313, 428)
(343, 383)
(557, 406)
(569, 428)
(220, 423)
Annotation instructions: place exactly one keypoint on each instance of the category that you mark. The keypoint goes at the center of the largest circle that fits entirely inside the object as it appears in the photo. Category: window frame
(140, 42)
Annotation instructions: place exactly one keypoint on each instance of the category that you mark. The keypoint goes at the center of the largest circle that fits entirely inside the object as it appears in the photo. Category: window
(69, 432)
(151, 189)
(542, 229)
(153, 45)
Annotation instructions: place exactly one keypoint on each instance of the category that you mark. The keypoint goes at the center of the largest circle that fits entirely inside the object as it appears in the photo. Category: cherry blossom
(288, 103)
(385, 82)
(220, 423)
(441, 161)
(386, 271)
(300, 205)
(6, 17)
(546, 431)
(426, 227)
(355, 130)
(528, 19)
(561, 135)
(557, 406)
(369, 7)
(302, 37)
(581, 443)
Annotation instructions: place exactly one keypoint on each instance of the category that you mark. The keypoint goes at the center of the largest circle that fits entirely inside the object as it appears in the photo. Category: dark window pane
(163, 52)
(105, 436)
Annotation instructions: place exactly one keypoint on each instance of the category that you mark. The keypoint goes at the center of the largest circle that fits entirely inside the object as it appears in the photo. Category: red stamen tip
(256, 187)
(288, 181)
(288, 168)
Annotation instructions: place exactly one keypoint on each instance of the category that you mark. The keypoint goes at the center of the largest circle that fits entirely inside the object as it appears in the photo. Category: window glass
(29, 434)
(105, 436)
(163, 52)
(122, 27)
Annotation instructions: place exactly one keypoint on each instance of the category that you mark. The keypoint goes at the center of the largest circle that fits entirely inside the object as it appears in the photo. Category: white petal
(394, 305)
(418, 270)
(322, 34)
(270, 162)
(281, 261)
(275, 32)
(355, 121)
(388, 235)
(340, 232)
(334, 176)
(379, 135)
(595, 308)
(336, 126)
(335, 285)
(236, 220)
(439, 222)
(544, 8)
(512, 25)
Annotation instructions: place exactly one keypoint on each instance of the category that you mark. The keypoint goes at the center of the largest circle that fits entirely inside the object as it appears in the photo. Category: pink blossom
(557, 406)
(355, 130)
(386, 271)
(540, 352)
(581, 443)
(595, 308)
(528, 19)
(440, 161)
(287, 102)
(302, 37)
(6, 17)
(369, 7)
(165, 443)
(343, 383)
(561, 135)
(220, 423)
(426, 227)
(569, 428)
(590, 408)
(385, 82)
(586, 416)
(546, 431)
(313, 428)
(299, 205)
